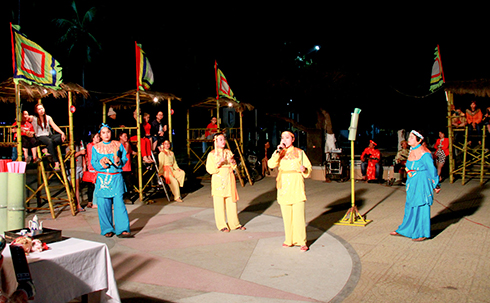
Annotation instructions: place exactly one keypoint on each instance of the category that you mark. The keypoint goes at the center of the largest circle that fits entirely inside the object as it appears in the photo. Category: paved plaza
(178, 255)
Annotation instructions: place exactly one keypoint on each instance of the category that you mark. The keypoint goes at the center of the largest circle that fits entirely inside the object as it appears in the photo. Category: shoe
(225, 230)
(125, 235)
(286, 245)
(241, 228)
(109, 235)
(304, 248)
(419, 239)
(37, 160)
(394, 233)
(80, 210)
(28, 160)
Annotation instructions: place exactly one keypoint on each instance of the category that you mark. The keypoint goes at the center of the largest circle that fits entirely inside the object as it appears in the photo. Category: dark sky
(374, 58)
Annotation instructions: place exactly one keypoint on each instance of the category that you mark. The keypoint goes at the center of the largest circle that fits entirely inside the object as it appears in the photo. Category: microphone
(281, 146)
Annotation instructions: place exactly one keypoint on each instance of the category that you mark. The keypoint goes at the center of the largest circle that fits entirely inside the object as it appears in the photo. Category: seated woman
(28, 139)
(43, 125)
(170, 171)
(145, 142)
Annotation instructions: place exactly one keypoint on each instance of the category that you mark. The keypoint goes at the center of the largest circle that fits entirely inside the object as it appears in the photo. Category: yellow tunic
(169, 169)
(223, 183)
(290, 179)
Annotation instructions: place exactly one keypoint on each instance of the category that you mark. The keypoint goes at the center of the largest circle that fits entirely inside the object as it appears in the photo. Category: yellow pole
(188, 139)
(18, 116)
(104, 110)
(352, 179)
(450, 134)
(72, 143)
(138, 134)
(241, 130)
(169, 120)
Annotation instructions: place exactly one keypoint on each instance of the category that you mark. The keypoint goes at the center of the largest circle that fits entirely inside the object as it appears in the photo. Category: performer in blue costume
(108, 159)
(421, 182)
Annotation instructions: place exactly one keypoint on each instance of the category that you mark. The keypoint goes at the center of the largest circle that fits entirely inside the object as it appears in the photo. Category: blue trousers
(120, 223)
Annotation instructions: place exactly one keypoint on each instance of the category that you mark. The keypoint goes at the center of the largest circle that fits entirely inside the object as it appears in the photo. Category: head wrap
(374, 143)
(287, 131)
(416, 133)
(104, 125)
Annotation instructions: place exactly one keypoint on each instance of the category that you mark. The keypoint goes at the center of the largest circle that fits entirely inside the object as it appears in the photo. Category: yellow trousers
(224, 209)
(174, 187)
(293, 216)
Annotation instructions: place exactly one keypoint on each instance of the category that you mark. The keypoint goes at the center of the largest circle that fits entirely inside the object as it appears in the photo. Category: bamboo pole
(450, 135)
(138, 134)
(104, 111)
(169, 120)
(72, 140)
(188, 139)
(18, 116)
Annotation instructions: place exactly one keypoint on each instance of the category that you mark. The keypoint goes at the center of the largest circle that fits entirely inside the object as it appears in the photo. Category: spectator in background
(28, 139)
(158, 130)
(442, 151)
(113, 121)
(43, 127)
(474, 117)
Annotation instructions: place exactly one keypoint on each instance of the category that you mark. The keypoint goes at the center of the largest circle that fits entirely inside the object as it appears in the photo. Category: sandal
(304, 248)
(225, 230)
(109, 235)
(287, 245)
(419, 239)
(242, 228)
(394, 233)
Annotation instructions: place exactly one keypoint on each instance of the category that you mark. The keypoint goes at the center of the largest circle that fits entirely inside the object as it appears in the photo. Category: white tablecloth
(69, 269)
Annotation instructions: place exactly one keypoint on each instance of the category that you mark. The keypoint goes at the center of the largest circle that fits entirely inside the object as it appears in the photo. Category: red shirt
(211, 125)
(26, 126)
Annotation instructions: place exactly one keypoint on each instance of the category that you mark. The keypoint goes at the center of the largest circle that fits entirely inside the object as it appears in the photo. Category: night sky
(375, 58)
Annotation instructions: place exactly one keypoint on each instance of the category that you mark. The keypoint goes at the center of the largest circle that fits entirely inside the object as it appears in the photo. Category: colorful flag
(144, 73)
(222, 86)
(437, 76)
(31, 63)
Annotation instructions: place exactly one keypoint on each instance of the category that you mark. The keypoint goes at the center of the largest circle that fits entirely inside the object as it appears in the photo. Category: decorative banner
(437, 76)
(222, 85)
(353, 124)
(31, 63)
(144, 73)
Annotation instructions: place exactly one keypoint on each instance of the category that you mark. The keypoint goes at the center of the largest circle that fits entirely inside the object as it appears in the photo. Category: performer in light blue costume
(108, 159)
(421, 182)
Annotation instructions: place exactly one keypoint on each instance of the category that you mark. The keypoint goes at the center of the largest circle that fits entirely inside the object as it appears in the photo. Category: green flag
(31, 63)
(437, 76)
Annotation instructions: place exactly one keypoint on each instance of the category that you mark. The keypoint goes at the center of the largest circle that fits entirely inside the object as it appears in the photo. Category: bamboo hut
(134, 99)
(11, 93)
(471, 156)
(196, 135)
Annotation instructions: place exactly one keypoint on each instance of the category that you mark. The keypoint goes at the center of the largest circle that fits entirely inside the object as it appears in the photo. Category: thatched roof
(128, 99)
(34, 92)
(210, 103)
(477, 87)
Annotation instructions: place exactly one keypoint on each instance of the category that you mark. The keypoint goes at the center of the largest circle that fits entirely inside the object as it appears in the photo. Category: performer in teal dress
(108, 159)
(421, 182)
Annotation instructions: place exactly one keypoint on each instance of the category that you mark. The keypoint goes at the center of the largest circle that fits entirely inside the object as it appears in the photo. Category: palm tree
(80, 41)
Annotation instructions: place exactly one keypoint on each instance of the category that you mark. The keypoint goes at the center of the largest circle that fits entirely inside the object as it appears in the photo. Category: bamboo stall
(213, 105)
(11, 93)
(463, 159)
(134, 99)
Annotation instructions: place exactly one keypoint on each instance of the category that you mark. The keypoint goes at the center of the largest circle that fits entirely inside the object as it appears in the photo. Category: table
(69, 269)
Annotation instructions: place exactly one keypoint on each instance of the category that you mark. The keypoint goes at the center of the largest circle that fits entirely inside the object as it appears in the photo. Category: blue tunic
(110, 182)
(421, 182)
(109, 189)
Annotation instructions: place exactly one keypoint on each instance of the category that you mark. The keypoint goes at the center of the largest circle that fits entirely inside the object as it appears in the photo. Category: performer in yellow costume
(294, 167)
(220, 165)
(170, 171)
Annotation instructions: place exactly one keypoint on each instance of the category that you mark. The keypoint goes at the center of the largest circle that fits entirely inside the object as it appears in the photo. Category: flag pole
(218, 121)
(17, 101)
(138, 130)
